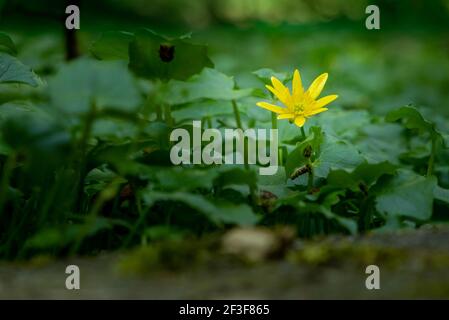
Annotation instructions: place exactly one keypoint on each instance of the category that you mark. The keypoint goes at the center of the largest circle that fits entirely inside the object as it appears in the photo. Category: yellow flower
(299, 104)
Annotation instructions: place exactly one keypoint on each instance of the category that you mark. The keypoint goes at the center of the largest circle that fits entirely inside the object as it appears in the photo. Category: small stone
(257, 244)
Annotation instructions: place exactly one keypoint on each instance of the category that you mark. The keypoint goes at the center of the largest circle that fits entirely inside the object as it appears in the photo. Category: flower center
(299, 108)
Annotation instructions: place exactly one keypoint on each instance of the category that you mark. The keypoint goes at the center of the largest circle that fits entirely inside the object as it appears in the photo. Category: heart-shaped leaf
(14, 71)
(154, 56)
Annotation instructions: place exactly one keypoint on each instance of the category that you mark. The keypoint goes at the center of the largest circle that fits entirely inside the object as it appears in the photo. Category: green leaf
(119, 153)
(218, 213)
(16, 110)
(288, 133)
(273, 180)
(366, 172)
(296, 158)
(265, 75)
(153, 56)
(325, 208)
(83, 82)
(446, 139)
(64, 235)
(184, 179)
(112, 45)
(14, 71)
(209, 84)
(441, 194)
(382, 141)
(406, 194)
(164, 232)
(7, 45)
(330, 153)
(235, 175)
(345, 124)
(28, 127)
(190, 179)
(114, 129)
(48, 238)
(413, 119)
(99, 178)
(202, 109)
(336, 154)
(4, 148)
(275, 183)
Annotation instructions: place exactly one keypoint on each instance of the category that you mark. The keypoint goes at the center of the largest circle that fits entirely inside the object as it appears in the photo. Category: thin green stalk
(310, 177)
(281, 152)
(168, 117)
(84, 143)
(209, 122)
(50, 199)
(365, 214)
(160, 85)
(138, 224)
(309, 164)
(432, 158)
(150, 107)
(239, 125)
(90, 119)
(237, 115)
(107, 194)
(303, 133)
(238, 121)
(158, 113)
(274, 121)
(274, 126)
(6, 174)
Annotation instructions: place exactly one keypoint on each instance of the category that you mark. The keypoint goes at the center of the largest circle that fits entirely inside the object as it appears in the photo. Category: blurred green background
(407, 61)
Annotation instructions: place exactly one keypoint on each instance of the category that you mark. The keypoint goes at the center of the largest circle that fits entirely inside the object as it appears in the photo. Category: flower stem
(274, 121)
(209, 122)
(310, 177)
(238, 120)
(168, 117)
(303, 133)
(274, 126)
(240, 126)
(432, 158)
(81, 157)
(158, 113)
(87, 129)
(6, 173)
(308, 155)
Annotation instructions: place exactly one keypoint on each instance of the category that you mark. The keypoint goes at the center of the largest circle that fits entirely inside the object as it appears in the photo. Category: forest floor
(413, 264)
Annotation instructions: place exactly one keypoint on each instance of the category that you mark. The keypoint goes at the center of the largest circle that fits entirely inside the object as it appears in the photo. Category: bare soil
(413, 264)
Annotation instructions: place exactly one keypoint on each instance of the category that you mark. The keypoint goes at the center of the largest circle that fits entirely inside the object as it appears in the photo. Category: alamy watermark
(189, 149)
(73, 19)
(373, 280)
(72, 281)
(372, 22)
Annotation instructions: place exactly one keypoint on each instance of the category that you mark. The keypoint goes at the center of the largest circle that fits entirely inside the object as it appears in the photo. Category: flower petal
(317, 86)
(299, 121)
(297, 88)
(281, 97)
(275, 92)
(314, 112)
(283, 92)
(271, 107)
(286, 116)
(324, 101)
